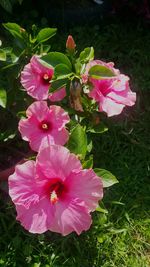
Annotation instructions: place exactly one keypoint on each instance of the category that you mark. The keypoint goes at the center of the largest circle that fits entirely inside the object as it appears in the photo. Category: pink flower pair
(36, 79)
(111, 93)
(55, 193)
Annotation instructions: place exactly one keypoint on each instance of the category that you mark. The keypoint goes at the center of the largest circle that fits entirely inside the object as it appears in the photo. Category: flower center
(45, 126)
(56, 190)
(104, 87)
(46, 78)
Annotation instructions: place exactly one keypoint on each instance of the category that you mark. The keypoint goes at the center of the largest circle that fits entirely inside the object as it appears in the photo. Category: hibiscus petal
(110, 107)
(60, 137)
(39, 92)
(59, 117)
(38, 218)
(38, 67)
(38, 108)
(28, 127)
(29, 79)
(22, 186)
(86, 186)
(58, 95)
(127, 98)
(34, 210)
(70, 216)
(37, 138)
(57, 159)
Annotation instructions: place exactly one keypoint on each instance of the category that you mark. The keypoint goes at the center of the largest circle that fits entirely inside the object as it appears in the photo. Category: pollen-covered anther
(44, 126)
(46, 77)
(53, 197)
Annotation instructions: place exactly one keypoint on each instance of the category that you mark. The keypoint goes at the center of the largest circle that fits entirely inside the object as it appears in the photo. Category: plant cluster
(67, 93)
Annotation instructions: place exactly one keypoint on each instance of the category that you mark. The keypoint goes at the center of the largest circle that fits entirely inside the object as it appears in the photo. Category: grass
(120, 238)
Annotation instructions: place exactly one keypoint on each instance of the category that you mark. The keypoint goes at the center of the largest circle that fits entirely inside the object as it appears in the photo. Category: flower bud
(70, 44)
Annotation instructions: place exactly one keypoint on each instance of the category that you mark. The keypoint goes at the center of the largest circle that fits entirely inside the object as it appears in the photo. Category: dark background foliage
(65, 13)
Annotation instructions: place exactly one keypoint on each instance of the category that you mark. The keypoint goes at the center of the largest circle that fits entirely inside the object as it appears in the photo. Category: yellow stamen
(53, 197)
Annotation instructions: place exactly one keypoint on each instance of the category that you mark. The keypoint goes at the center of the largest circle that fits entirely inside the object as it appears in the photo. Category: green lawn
(121, 237)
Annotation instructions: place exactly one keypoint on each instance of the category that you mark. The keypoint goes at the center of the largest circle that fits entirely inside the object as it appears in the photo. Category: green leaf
(62, 72)
(78, 141)
(117, 203)
(46, 48)
(56, 58)
(20, 1)
(21, 114)
(88, 163)
(99, 128)
(2, 55)
(100, 209)
(102, 218)
(99, 72)
(32, 39)
(87, 54)
(89, 146)
(3, 98)
(45, 34)
(8, 66)
(6, 4)
(44, 63)
(117, 231)
(7, 55)
(14, 29)
(107, 177)
(100, 239)
(6, 136)
(78, 66)
(56, 85)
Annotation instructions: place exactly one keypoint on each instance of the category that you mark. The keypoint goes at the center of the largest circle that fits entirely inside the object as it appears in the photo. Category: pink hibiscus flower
(44, 125)
(112, 93)
(36, 77)
(55, 193)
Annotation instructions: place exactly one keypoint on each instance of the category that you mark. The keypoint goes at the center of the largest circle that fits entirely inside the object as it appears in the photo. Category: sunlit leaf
(78, 141)
(99, 71)
(87, 54)
(2, 55)
(107, 177)
(56, 58)
(99, 128)
(14, 29)
(62, 71)
(3, 97)
(45, 34)
(88, 163)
